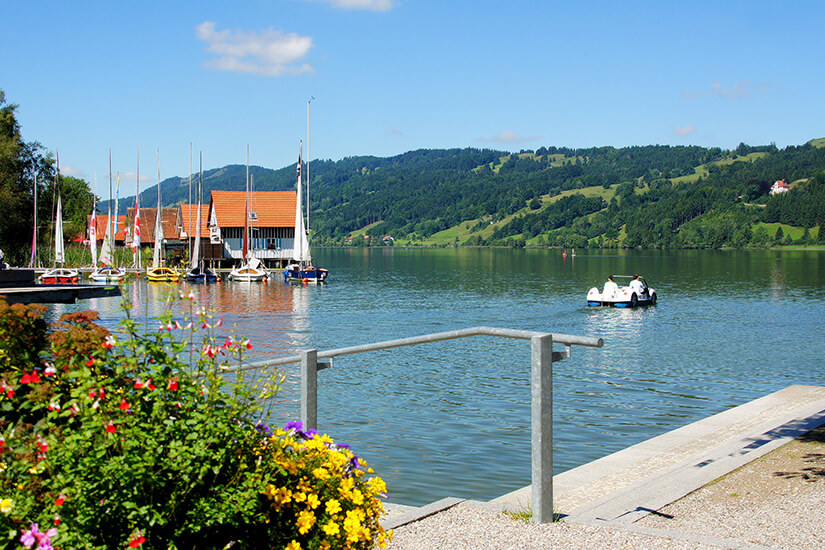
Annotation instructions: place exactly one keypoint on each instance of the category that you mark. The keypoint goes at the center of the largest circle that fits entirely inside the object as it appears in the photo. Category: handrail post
(309, 389)
(541, 387)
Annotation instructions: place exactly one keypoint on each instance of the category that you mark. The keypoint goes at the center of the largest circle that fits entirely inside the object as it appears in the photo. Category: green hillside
(645, 196)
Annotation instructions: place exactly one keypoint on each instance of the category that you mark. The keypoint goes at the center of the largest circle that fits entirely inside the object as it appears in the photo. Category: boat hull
(107, 275)
(305, 275)
(162, 275)
(201, 276)
(60, 276)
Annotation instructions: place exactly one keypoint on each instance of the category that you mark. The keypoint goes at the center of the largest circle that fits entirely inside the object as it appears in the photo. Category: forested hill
(643, 196)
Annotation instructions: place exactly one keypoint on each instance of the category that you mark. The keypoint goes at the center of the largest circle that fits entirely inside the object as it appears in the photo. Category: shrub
(115, 440)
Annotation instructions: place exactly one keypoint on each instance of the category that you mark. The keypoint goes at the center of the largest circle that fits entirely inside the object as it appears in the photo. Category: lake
(453, 418)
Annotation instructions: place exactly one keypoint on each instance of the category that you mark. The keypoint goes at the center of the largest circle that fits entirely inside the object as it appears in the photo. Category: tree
(19, 162)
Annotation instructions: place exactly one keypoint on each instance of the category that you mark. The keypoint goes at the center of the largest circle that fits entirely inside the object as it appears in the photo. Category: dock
(18, 286)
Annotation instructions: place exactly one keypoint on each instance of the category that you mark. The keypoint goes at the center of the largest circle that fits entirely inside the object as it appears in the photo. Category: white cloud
(740, 90)
(684, 130)
(69, 170)
(268, 53)
(508, 137)
(132, 176)
(396, 132)
(371, 5)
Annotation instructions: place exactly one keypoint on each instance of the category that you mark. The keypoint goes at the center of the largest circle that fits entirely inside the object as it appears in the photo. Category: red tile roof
(102, 221)
(183, 221)
(273, 208)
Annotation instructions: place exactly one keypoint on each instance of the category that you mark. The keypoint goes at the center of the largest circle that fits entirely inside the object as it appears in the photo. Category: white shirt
(637, 286)
(610, 288)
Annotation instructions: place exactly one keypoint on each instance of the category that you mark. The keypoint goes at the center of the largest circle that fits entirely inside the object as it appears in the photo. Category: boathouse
(186, 230)
(271, 217)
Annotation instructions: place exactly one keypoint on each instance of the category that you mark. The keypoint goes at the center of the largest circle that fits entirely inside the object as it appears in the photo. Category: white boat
(59, 274)
(107, 272)
(635, 293)
(252, 270)
(302, 269)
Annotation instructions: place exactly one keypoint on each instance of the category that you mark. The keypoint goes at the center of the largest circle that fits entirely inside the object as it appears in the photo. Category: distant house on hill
(271, 220)
(780, 186)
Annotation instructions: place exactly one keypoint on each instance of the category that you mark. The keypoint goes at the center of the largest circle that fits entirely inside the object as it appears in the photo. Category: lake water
(453, 418)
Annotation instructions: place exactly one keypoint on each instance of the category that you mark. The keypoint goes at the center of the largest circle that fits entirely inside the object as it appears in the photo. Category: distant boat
(107, 272)
(252, 270)
(59, 275)
(158, 272)
(302, 269)
(199, 273)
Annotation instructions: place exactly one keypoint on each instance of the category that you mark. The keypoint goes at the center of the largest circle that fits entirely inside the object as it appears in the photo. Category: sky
(382, 77)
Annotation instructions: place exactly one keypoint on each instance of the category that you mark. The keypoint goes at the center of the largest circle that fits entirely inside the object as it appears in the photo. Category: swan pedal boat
(624, 296)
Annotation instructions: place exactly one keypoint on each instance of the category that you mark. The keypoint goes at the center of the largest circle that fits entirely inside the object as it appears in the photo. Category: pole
(541, 386)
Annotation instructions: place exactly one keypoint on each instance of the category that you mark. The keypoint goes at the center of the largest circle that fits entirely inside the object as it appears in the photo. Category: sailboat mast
(189, 237)
(156, 257)
(246, 210)
(58, 225)
(34, 233)
(136, 232)
(307, 227)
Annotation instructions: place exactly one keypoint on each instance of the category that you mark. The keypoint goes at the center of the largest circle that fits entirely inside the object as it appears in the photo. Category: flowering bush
(119, 441)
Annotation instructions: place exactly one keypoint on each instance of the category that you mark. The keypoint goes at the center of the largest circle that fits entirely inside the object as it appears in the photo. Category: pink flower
(124, 406)
(60, 500)
(110, 342)
(25, 379)
(110, 427)
(219, 323)
(90, 362)
(172, 385)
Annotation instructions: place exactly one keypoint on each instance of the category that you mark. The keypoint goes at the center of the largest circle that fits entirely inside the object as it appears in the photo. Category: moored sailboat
(302, 270)
(107, 272)
(252, 270)
(198, 272)
(158, 272)
(59, 275)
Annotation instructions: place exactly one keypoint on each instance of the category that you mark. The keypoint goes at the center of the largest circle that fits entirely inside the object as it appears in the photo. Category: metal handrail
(566, 339)
(541, 384)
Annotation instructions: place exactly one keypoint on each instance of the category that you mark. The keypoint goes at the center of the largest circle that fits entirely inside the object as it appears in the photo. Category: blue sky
(389, 76)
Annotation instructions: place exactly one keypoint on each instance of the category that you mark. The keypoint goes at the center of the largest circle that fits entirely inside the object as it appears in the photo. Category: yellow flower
(357, 497)
(300, 496)
(321, 473)
(6, 505)
(377, 485)
(333, 506)
(305, 521)
(313, 501)
(294, 545)
(331, 528)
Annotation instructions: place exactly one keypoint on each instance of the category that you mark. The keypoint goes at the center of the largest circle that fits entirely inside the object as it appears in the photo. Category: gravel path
(777, 501)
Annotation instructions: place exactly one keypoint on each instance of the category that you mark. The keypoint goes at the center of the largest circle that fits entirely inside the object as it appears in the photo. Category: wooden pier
(18, 286)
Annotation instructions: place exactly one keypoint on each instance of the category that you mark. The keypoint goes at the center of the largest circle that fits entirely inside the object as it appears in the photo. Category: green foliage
(115, 440)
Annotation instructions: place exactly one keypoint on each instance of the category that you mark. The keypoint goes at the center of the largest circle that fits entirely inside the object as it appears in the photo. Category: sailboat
(252, 270)
(199, 273)
(59, 275)
(159, 272)
(302, 269)
(107, 272)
